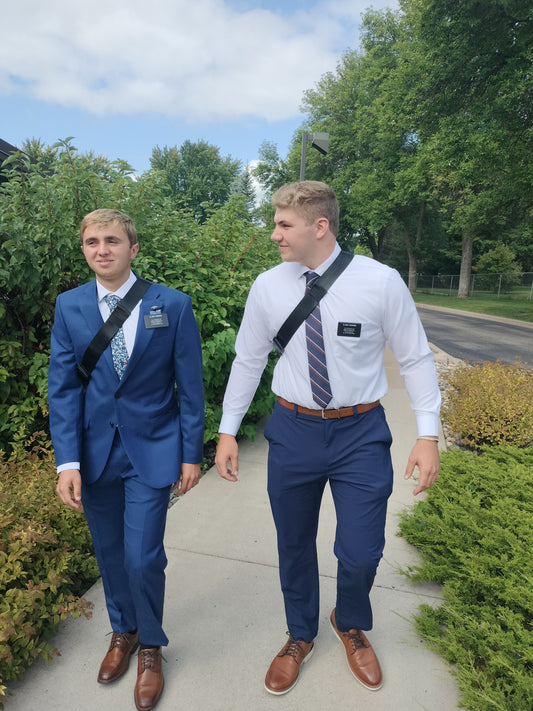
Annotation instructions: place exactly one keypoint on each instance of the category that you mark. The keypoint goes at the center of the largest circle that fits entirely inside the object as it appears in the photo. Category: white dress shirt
(129, 327)
(368, 294)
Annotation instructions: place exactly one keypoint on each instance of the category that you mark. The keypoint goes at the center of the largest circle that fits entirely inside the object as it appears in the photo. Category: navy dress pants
(353, 454)
(127, 522)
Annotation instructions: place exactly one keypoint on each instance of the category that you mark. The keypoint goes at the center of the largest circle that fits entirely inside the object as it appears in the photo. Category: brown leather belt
(330, 414)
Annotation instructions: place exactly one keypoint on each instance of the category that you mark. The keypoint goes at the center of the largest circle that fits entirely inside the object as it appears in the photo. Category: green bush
(46, 560)
(475, 534)
(497, 269)
(490, 404)
(40, 212)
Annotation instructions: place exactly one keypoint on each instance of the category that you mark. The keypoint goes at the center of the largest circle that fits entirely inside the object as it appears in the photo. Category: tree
(271, 171)
(198, 178)
(374, 162)
(244, 185)
(501, 262)
(474, 107)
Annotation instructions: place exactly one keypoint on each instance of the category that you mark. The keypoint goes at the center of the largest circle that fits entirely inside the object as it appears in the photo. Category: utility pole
(319, 140)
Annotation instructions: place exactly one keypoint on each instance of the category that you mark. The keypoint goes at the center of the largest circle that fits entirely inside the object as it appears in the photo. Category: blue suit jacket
(158, 405)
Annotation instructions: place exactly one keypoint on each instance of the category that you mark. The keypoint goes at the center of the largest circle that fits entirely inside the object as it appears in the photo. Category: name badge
(156, 318)
(352, 330)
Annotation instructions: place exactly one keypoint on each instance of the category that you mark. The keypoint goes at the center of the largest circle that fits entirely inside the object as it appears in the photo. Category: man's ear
(322, 226)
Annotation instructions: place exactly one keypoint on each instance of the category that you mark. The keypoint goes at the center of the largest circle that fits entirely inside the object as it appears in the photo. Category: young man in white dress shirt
(336, 432)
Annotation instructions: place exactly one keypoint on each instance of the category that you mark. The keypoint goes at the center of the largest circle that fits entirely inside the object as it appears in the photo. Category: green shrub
(490, 404)
(40, 212)
(475, 534)
(46, 560)
(497, 270)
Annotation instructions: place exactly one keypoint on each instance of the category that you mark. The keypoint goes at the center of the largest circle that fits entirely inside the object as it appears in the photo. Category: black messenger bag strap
(310, 300)
(100, 342)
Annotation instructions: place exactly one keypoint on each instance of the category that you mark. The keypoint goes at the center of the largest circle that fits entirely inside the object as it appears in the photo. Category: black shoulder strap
(310, 300)
(99, 343)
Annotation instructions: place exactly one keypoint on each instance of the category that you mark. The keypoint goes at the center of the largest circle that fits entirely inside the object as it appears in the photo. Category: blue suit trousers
(353, 454)
(127, 521)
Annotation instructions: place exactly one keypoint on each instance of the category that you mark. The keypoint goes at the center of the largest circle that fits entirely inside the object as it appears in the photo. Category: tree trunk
(410, 254)
(412, 273)
(466, 268)
(411, 283)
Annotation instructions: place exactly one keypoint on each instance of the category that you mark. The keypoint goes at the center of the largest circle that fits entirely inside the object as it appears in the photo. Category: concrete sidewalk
(224, 610)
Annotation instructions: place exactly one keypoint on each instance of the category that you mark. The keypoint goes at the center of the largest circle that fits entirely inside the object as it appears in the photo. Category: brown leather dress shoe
(285, 668)
(150, 679)
(361, 658)
(117, 659)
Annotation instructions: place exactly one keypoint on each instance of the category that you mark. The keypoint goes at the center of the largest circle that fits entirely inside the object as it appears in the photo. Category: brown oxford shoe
(150, 679)
(285, 668)
(361, 658)
(117, 659)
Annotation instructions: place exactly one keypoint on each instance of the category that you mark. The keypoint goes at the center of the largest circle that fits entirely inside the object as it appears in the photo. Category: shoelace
(149, 658)
(291, 649)
(356, 639)
(120, 638)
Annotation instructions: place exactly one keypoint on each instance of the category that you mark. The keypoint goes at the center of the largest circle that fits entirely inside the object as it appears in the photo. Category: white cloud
(199, 60)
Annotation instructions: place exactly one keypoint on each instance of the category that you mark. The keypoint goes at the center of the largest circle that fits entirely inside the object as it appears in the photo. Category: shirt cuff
(427, 424)
(68, 465)
(229, 424)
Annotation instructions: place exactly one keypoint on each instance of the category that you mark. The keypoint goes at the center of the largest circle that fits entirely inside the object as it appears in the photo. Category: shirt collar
(322, 267)
(120, 292)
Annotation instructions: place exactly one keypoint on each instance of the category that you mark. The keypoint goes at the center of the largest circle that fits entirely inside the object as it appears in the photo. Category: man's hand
(425, 455)
(190, 476)
(69, 487)
(227, 453)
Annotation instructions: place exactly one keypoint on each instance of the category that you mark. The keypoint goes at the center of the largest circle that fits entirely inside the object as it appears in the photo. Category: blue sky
(122, 76)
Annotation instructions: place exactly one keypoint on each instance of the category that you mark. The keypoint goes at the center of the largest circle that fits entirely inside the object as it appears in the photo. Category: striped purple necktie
(316, 355)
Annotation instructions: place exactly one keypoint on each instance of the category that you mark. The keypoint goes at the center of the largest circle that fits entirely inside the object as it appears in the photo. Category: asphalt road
(477, 338)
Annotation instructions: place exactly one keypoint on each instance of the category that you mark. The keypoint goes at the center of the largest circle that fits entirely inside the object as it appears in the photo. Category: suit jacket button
(111, 424)
(117, 395)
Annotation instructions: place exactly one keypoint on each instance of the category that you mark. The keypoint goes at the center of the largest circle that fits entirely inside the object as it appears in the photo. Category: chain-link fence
(517, 285)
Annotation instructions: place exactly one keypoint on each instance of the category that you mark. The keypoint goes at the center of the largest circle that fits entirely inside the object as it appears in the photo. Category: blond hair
(312, 199)
(104, 216)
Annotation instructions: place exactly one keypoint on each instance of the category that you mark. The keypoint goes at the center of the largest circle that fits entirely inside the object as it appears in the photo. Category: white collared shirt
(129, 327)
(367, 295)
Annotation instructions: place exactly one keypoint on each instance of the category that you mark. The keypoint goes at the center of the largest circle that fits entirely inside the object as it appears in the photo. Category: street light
(319, 140)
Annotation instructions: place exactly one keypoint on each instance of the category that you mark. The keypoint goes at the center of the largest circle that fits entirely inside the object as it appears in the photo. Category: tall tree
(475, 110)
(271, 172)
(244, 185)
(374, 161)
(198, 178)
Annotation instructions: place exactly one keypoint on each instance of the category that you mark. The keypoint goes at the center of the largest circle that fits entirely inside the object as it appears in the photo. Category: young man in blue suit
(121, 443)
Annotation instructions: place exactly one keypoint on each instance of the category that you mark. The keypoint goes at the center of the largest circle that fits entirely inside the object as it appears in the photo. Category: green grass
(483, 304)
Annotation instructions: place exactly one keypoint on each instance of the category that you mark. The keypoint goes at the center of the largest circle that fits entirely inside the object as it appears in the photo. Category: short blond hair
(104, 216)
(312, 199)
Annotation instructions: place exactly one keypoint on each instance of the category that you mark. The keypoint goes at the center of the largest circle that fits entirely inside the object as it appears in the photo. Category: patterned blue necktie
(316, 354)
(118, 344)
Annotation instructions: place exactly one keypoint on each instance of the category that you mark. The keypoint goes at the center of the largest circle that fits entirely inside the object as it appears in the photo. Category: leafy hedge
(490, 404)
(475, 534)
(40, 213)
(46, 560)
